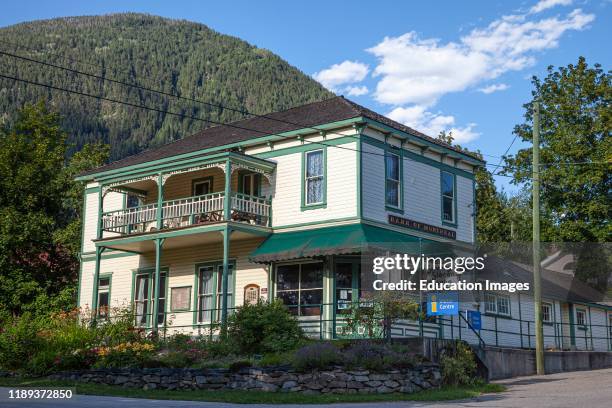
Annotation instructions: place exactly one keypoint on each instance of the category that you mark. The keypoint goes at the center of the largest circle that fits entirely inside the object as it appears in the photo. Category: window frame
(254, 183)
(583, 325)
(400, 188)
(150, 274)
(304, 180)
(217, 274)
(453, 222)
(106, 289)
(299, 280)
(496, 301)
(550, 319)
(202, 180)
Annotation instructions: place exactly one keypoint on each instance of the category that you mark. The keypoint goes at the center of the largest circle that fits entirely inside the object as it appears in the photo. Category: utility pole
(537, 279)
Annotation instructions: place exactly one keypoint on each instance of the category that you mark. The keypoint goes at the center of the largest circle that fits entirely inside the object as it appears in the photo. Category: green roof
(339, 240)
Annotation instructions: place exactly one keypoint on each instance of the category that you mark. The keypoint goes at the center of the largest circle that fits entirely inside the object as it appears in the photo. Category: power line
(105, 78)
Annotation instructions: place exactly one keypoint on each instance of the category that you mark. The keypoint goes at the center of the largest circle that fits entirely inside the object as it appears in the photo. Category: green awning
(345, 239)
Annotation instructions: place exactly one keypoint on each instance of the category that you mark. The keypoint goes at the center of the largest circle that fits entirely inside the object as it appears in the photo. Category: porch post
(160, 200)
(227, 203)
(224, 283)
(99, 250)
(158, 252)
(96, 278)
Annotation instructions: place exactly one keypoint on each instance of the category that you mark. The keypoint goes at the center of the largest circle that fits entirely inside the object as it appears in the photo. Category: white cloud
(546, 4)
(432, 124)
(493, 88)
(419, 71)
(344, 73)
(356, 90)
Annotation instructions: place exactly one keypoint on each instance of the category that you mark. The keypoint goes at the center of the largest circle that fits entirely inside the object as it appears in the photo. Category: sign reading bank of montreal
(421, 226)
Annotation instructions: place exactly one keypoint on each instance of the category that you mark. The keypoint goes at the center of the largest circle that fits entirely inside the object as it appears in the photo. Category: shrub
(19, 341)
(459, 365)
(368, 355)
(316, 356)
(237, 365)
(263, 328)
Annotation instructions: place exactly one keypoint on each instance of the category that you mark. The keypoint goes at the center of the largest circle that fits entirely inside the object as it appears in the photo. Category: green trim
(149, 271)
(195, 181)
(109, 276)
(323, 204)
(114, 255)
(420, 158)
(307, 147)
(253, 141)
(227, 200)
(161, 234)
(359, 198)
(420, 141)
(188, 302)
(390, 150)
(92, 189)
(453, 223)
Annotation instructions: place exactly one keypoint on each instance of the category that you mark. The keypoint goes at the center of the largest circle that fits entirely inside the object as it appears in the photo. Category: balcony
(189, 211)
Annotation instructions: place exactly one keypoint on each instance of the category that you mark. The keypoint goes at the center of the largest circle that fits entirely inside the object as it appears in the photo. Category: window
(300, 287)
(202, 186)
(547, 310)
(448, 197)
(581, 318)
(314, 182)
(497, 304)
(104, 283)
(392, 180)
(250, 184)
(144, 294)
(210, 291)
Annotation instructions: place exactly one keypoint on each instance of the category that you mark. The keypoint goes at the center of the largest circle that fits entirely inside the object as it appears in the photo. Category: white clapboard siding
(422, 200)
(341, 188)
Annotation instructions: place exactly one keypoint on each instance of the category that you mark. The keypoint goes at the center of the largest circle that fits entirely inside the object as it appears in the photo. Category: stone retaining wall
(337, 380)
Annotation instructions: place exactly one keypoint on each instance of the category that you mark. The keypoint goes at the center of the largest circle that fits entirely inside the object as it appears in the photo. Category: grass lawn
(244, 397)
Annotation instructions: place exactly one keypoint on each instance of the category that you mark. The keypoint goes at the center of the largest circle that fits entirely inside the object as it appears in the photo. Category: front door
(347, 286)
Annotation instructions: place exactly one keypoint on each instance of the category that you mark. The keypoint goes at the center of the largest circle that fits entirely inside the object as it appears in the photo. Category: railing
(188, 211)
(324, 325)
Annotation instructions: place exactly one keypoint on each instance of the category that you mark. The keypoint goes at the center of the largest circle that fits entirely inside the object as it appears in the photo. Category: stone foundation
(336, 380)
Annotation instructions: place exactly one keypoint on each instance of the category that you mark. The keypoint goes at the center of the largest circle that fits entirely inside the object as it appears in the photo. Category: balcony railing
(188, 211)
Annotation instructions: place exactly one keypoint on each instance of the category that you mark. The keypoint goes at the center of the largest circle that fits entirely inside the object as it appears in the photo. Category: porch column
(99, 250)
(160, 200)
(227, 203)
(224, 282)
(158, 252)
(96, 278)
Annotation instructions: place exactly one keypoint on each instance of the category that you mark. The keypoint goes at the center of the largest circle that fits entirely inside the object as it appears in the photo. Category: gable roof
(305, 116)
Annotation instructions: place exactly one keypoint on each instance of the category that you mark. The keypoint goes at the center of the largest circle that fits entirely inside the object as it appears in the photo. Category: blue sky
(460, 65)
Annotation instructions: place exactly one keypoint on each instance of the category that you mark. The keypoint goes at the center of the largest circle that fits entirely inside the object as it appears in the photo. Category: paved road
(583, 389)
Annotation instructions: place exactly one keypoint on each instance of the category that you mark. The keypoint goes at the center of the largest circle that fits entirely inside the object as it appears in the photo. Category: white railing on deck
(185, 207)
(251, 205)
(188, 211)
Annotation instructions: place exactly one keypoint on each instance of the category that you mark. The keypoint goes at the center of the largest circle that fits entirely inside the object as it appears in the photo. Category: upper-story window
(314, 177)
(448, 198)
(392, 180)
(250, 184)
(202, 186)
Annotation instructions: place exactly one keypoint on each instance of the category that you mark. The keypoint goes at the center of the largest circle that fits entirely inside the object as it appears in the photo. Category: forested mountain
(175, 56)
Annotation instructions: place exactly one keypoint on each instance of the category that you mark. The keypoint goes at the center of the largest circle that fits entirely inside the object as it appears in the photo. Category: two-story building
(274, 206)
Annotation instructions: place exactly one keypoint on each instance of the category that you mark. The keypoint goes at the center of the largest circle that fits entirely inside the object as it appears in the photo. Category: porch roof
(337, 240)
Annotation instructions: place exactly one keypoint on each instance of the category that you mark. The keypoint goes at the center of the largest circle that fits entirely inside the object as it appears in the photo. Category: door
(144, 293)
(347, 287)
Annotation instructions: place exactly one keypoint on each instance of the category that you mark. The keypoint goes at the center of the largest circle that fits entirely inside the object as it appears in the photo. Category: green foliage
(39, 214)
(175, 56)
(378, 313)
(575, 117)
(263, 327)
(459, 365)
(65, 340)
